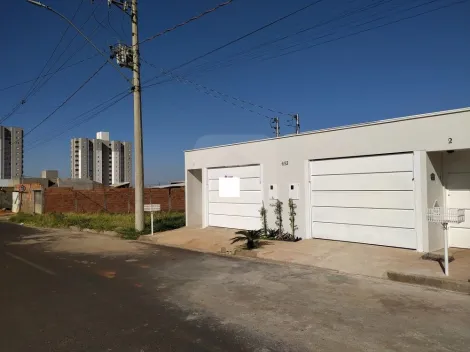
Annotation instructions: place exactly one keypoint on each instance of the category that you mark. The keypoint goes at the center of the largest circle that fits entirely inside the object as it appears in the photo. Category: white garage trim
(367, 199)
(235, 212)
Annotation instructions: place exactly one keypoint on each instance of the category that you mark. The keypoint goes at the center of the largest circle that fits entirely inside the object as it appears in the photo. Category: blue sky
(415, 66)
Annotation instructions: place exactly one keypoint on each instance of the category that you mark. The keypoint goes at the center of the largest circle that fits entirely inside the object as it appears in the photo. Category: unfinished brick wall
(110, 200)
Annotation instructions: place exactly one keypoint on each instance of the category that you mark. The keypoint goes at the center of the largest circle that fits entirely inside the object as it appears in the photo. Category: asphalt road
(56, 303)
(65, 291)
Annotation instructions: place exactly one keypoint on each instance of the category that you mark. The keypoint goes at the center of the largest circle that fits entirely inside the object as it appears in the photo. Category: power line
(65, 50)
(343, 15)
(33, 86)
(66, 100)
(37, 3)
(355, 25)
(115, 100)
(56, 47)
(48, 74)
(240, 38)
(111, 26)
(184, 80)
(123, 18)
(369, 29)
(187, 21)
(341, 37)
(237, 102)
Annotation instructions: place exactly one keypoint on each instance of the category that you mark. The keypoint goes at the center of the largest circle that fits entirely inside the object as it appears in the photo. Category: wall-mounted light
(433, 177)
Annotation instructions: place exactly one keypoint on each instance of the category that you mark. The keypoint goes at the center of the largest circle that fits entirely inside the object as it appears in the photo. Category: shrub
(250, 236)
(168, 223)
(278, 212)
(264, 220)
(292, 214)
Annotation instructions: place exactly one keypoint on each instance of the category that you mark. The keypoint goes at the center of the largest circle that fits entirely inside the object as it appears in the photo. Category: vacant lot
(121, 223)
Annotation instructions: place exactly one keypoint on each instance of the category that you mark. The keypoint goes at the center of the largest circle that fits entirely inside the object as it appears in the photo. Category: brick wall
(111, 200)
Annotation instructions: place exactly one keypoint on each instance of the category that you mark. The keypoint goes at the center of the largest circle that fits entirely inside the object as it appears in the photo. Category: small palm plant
(250, 236)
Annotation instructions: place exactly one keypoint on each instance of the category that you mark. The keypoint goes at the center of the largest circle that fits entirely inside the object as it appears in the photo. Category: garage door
(365, 199)
(239, 212)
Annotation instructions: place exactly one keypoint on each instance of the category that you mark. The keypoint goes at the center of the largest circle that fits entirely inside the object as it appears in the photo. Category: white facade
(104, 136)
(101, 160)
(368, 183)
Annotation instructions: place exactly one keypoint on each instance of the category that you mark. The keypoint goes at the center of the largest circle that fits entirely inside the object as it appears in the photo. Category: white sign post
(151, 208)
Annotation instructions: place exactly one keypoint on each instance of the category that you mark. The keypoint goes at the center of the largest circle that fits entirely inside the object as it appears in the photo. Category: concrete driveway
(84, 292)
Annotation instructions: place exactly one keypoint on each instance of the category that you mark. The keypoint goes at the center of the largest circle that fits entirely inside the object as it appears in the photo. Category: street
(64, 291)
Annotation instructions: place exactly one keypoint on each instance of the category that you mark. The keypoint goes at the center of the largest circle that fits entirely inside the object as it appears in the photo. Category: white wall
(194, 199)
(421, 133)
(435, 193)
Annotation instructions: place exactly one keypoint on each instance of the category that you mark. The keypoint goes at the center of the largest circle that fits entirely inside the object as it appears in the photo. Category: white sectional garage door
(364, 199)
(236, 212)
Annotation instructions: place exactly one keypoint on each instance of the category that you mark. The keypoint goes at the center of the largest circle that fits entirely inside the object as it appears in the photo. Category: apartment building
(11, 152)
(101, 160)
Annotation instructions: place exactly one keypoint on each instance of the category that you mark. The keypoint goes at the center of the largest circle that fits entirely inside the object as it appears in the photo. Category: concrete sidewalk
(351, 258)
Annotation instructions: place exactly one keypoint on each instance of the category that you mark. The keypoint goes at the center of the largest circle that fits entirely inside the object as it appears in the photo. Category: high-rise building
(11, 152)
(101, 160)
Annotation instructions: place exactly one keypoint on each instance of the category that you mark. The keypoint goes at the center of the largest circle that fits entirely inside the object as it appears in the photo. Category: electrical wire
(31, 89)
(239, 38)
(48, 74)
(368, 29)
(237, 102)
(111, 26)
(45, 81)
(187, 21)
(184, 80)
(84, 36)
(261, 59)
(345, 14)
(66, 100)
(123, 18)
(56, 47)
(73, 124)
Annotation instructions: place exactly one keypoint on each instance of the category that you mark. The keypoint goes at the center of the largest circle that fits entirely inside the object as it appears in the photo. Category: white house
(368, 183)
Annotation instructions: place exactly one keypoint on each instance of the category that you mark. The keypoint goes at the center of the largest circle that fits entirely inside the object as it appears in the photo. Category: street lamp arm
(40, 4)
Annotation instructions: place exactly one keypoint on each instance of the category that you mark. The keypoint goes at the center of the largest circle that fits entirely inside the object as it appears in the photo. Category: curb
(436, 282)
(421, 280)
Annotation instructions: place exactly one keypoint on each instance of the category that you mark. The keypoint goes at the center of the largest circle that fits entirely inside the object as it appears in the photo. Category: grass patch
(121, 223)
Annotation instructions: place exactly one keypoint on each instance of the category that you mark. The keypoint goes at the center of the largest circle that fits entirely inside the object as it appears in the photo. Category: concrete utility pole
(297, 123)
(277, 130)
(130, 57)
(126, 57)
(138, 140)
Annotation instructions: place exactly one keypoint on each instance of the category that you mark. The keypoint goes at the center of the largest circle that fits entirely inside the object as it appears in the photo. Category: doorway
(194, 198)
(457, 176)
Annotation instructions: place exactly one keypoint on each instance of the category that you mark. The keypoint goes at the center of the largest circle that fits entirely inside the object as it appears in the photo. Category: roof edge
(357, 125)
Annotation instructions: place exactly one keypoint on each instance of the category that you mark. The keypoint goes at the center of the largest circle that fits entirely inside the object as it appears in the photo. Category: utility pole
(297, 123)
(126, 57)
(276, 127)
(130, 57)
(138, 140)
